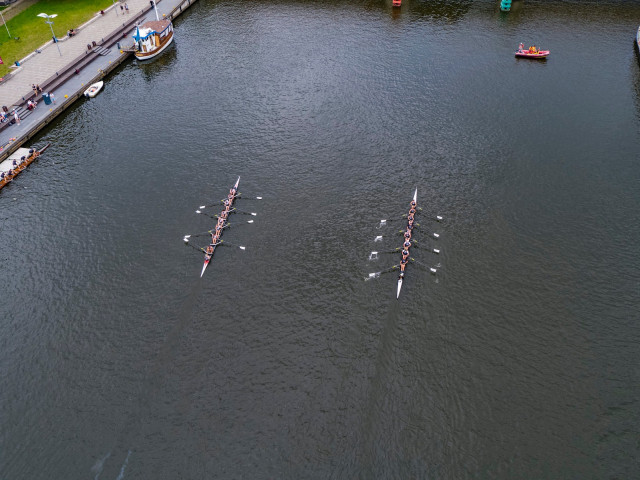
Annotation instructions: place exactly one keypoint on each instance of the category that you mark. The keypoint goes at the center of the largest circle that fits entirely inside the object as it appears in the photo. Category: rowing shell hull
(204, 267)
(415, 199)
(206, 262)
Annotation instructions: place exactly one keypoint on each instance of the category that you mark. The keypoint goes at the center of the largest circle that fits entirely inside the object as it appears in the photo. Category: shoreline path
(39, 67)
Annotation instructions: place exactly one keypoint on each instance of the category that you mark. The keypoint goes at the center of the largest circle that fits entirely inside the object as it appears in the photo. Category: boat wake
(379, 389)
(124, 465)
(99, 465)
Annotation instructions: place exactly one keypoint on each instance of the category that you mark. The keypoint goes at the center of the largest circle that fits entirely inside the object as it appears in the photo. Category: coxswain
(403, 265)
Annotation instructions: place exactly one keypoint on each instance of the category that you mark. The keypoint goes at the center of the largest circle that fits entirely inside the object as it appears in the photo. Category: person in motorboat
(533, 49)
(521, 47)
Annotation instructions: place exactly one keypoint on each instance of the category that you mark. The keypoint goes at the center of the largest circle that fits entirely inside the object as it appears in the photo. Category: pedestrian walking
(33, 87)
(126, 7)
(16, 117)
(52, 97)
(38, 89)
(122, 9)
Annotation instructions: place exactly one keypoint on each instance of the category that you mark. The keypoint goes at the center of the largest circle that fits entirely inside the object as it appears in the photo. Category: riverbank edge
(62, 106)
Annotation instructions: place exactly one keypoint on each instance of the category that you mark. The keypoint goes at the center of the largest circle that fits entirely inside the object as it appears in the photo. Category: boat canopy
(150, 28)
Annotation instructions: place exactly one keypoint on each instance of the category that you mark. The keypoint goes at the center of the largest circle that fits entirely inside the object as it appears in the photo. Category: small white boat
(93, 90)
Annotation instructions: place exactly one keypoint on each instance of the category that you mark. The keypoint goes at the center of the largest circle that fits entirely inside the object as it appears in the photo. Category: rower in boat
(407, 244)
(403, 265)
(407, 234)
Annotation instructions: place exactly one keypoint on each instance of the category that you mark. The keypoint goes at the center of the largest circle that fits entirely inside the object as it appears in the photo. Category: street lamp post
(5, 24)
(115, 7)
(50, 22)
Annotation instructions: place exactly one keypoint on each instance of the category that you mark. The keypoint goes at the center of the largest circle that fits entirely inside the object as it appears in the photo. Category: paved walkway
(74, 48)
(40, 66)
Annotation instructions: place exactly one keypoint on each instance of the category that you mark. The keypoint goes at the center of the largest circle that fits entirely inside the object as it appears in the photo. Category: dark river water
(518, 360)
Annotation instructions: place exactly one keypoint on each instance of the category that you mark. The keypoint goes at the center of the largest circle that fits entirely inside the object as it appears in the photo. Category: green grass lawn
(33, 32)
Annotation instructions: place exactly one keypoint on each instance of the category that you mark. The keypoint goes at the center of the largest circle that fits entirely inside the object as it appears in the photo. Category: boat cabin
(152, 36)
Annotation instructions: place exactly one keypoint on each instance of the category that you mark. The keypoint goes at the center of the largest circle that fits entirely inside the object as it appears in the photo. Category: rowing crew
(407, 237)
(224, 215)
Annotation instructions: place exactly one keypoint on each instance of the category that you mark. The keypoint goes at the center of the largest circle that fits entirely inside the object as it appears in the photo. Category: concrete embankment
(71, 77)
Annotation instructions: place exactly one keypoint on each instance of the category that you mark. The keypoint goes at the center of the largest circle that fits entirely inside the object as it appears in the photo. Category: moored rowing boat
(13, 172)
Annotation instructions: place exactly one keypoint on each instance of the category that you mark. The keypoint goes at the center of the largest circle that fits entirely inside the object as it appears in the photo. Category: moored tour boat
(396, 3)
(531, 52)
(152, 38)
(17, 162)
(93, 90)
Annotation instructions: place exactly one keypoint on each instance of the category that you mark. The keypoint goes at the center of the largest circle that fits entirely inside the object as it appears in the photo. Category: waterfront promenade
(38, 67)
(69, 74)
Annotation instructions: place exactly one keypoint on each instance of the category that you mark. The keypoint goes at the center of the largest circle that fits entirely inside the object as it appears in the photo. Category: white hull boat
(93, 90)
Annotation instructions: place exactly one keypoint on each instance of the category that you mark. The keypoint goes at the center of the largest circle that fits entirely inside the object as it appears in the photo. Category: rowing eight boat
(208, 256)
(401, 277)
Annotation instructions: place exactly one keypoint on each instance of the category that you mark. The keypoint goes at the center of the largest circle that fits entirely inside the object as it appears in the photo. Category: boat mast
(155, 8)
